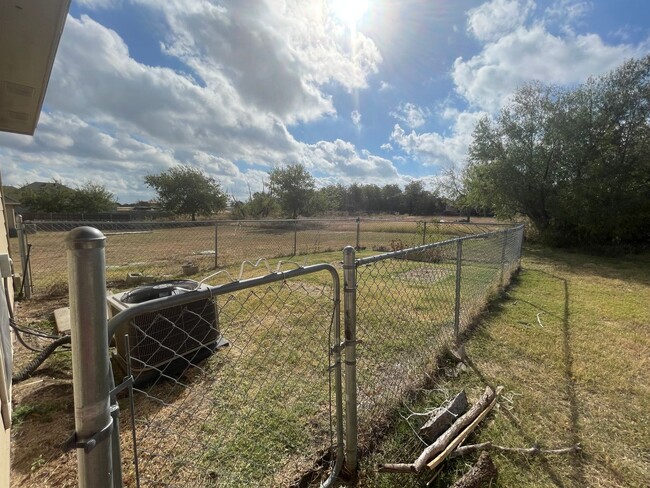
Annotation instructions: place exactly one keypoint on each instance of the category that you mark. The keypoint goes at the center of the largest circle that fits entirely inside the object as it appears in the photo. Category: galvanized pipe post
(216, 245)
(459, 267)
(295, 236)
(25, 268)
(91, 372)
(424, 232)
(503, 256)
(350, 324)
(358, 243)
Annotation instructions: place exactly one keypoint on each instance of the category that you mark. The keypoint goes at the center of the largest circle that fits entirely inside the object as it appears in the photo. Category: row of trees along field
(290, 192)
(575, 161)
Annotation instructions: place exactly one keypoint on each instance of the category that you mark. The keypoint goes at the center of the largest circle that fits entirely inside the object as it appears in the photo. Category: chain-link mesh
(412, 305)
(157, 249)
(232, 390)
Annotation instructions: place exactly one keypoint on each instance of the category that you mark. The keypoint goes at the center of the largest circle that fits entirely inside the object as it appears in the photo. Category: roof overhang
(29, 36)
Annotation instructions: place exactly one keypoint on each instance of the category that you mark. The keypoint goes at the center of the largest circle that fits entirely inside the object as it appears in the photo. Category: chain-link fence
(240, 384)
(154, 250)
(411, 306)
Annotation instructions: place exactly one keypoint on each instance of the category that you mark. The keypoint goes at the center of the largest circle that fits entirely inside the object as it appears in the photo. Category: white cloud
(98, 4)
(487, 79)
(356, 118)
(435, 149)
(386, 146)
(494, 19)
(342, 160)
(566, 13)
(255, 71)
(274, 55)
(412, 115)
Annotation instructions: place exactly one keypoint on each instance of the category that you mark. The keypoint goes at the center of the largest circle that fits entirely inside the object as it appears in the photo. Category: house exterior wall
(5, 362)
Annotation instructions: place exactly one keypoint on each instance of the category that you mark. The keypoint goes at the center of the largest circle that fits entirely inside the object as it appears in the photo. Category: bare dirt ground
(43, 407)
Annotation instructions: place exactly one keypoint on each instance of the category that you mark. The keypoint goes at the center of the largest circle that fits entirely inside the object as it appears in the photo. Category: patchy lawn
(570, 341)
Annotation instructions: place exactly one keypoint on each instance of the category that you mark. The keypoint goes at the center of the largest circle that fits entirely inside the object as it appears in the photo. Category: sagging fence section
(254, 382)
(157, 249)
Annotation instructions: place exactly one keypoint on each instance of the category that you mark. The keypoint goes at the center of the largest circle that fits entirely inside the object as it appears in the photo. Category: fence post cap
(85, 238)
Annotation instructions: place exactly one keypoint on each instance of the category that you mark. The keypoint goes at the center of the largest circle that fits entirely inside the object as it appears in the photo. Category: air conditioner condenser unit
(169, 339)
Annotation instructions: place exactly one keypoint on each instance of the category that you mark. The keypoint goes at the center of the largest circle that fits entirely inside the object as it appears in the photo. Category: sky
(358, 91)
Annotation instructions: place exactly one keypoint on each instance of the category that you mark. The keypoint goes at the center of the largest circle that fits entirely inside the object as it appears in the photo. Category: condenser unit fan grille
(160, 337)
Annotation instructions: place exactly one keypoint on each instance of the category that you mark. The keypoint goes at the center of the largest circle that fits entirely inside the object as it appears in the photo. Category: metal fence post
(350, 318)
(25, 268)
(503, 256)
(424, 232)
(459, 267)
(358, 244)
(295, 236)
(91, 372)
(216, 245)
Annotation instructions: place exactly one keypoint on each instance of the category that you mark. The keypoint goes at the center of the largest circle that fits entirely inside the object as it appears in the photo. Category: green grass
(570, 344)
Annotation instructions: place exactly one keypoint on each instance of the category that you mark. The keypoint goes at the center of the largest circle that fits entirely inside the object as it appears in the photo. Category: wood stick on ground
(481, 474)
(487, 399)
(530, 451)
(457, 427)
(463, 435)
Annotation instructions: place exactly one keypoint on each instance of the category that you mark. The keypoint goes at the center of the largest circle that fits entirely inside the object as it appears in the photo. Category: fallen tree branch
(460, 426)
(530, 451)
(458, 440)
(456, 428)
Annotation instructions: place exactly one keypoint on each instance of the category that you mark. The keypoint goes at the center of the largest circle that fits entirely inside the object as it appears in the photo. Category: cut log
(445, 417)
(482, 474)
(457, 427)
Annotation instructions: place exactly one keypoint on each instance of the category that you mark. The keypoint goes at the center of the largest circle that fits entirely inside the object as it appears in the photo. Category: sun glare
(350, 11)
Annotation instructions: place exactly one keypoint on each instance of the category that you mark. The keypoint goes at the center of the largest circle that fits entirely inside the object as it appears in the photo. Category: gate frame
(86, 256)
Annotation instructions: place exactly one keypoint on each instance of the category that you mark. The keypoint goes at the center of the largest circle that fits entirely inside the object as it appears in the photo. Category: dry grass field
(158, 251)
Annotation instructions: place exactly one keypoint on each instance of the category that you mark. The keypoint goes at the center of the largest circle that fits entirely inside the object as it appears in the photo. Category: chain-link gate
(235, 385)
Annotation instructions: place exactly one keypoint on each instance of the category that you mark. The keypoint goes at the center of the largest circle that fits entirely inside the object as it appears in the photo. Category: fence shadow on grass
(480, 328)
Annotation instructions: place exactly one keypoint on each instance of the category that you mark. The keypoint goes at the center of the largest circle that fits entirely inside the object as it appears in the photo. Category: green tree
(184, 190)
(333, 196)
(93, 198)
(54, 198)
(414, 197)
(372, 198)
(393, 198)
(575, 161)
(294, 187)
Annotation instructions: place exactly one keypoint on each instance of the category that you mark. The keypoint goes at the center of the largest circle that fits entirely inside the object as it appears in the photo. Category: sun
(349, 11)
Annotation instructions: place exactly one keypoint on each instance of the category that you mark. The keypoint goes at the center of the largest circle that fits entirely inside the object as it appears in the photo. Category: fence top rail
(235, 221)
(212, 291)
(410, 250)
